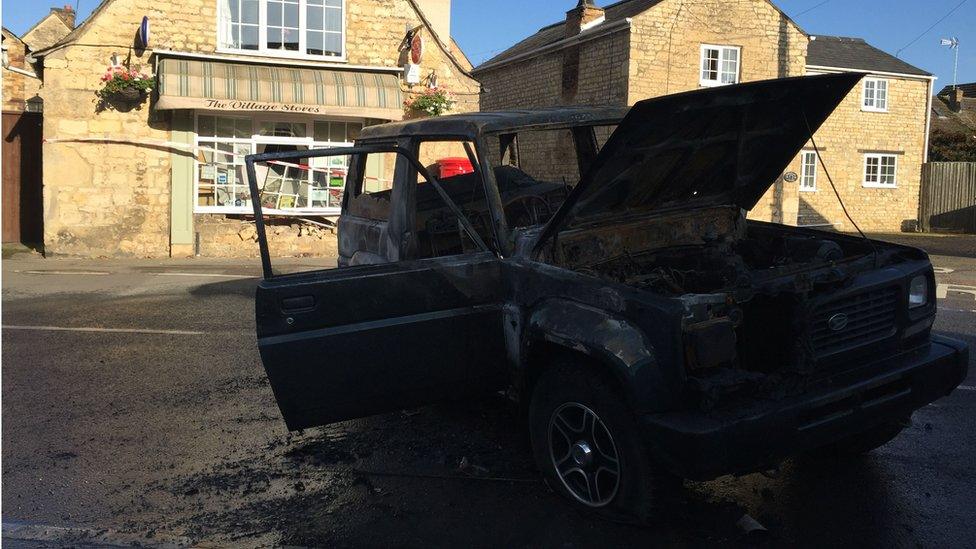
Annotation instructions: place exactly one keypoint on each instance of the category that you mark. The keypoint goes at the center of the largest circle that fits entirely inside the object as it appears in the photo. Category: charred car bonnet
(649, 329)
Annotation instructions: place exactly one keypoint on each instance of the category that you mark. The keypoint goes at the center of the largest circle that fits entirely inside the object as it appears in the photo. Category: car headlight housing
(918, 292)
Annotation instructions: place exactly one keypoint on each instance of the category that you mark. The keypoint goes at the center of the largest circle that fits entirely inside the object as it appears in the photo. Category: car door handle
(296, 304)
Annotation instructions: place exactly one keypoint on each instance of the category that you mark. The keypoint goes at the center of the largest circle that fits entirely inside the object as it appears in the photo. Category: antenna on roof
(953, 44)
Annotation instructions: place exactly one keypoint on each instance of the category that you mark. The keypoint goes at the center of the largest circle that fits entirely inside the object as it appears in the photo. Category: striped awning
(198, 84)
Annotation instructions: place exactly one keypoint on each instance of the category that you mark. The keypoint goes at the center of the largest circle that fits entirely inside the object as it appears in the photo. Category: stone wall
(50, 30)
(17, 88)
(667, 40)
(844, 139)
(658, 55)
(113, 198)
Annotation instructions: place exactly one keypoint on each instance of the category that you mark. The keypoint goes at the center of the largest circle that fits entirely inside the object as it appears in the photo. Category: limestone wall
(48, 31)
(17, 88)
(844, 139)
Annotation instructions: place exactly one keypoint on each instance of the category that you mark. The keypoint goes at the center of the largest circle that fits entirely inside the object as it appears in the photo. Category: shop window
(293, 28)
(313, 186)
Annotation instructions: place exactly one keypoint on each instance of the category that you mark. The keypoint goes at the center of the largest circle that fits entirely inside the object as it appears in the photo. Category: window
(314, 187)
(880, 170)
(808, 167)
(875, 95)
(719, 65)
(291, 28)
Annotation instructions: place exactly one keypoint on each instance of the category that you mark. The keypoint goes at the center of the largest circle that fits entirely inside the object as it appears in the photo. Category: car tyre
(585, 440)
(862, 443)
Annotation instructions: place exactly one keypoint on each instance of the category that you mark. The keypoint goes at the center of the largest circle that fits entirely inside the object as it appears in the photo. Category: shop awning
(213, 85)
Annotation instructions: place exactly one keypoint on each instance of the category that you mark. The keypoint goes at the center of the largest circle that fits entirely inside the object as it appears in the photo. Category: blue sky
(485, 27)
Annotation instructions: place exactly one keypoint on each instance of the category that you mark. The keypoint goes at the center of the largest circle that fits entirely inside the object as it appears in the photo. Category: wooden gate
(23, 199)
(948, 197)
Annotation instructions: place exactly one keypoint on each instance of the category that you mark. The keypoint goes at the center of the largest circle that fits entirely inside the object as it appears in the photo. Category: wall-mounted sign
(142, 37)
(411, 73)
(417, 49)
(790, 177)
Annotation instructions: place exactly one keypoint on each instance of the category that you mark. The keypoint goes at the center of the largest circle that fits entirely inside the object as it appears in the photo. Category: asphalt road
(167, 433)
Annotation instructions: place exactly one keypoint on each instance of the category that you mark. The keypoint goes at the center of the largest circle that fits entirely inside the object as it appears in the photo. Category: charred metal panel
(582, 247)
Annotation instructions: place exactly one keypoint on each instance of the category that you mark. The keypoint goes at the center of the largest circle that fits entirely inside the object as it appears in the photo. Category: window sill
(710, 84)
(813, 190)
(867, 185)
(869, 109)
(325, 212)
(281, 55)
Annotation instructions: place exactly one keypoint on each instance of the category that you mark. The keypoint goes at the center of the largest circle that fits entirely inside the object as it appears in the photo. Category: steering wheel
(528, 210)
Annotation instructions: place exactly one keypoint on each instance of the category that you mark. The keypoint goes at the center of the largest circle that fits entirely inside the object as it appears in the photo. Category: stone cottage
(873, 146)
(162, 175)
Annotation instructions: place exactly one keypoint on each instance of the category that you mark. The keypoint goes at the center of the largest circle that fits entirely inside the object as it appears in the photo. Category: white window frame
(877, 85)
(805, 158)
(874, 181)
(722, 53)
(253, 141)
(263, 49)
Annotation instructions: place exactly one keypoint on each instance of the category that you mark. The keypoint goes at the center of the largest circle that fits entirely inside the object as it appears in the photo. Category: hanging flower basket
(432, 102)
(125, 85)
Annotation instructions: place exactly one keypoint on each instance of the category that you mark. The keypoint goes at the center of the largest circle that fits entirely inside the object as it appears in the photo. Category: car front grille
(870, 317)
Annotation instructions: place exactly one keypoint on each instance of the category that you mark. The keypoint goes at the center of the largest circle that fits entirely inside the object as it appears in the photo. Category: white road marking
(103, 330)
(941, 309)
(89, 273)
(943, 270)
(942, 290)
(966, 388)
(209, 275)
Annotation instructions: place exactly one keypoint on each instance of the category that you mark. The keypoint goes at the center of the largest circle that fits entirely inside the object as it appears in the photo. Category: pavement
(136, 412)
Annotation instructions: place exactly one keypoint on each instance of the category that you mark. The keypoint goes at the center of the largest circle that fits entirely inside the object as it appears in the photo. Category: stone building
(51, 29)
(20, 80)
(21, 144)
(163, 175)
(873, 145)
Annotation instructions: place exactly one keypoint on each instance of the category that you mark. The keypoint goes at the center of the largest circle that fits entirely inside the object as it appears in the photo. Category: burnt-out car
(649, 330)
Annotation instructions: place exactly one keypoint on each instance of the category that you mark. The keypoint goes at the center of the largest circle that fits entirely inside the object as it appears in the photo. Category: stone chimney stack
(955, 99)
(67, 14)
(438, 12)
(580, 18)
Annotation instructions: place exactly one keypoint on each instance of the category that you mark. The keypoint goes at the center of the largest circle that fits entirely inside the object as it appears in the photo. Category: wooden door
(22, 193)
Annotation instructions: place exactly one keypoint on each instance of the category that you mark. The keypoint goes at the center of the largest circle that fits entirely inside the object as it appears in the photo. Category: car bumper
(757, 436)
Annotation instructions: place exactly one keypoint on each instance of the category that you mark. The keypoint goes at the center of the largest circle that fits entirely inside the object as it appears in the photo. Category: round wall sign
(143, 36)
(417, 49)
(790, 177)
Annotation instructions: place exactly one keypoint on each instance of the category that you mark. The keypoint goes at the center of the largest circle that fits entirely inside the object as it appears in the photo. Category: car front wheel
(587, 444)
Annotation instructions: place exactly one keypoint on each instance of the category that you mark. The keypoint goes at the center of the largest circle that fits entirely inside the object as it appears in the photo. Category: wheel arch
(562, 330)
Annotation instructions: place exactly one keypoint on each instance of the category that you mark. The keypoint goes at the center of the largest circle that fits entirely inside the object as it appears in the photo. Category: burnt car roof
(478, 123)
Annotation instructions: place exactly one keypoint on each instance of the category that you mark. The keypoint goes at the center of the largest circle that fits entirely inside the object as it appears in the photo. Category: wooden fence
(948, 197)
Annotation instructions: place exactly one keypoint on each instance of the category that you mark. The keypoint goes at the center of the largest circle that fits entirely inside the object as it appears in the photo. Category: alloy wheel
(583, 454)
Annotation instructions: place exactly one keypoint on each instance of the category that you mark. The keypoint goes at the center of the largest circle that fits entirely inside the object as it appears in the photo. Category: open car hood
(721, 146)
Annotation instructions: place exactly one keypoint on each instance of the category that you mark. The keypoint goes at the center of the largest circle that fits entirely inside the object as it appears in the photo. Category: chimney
(67, 14)
(582, 17)
(955, 99)
(438, 12)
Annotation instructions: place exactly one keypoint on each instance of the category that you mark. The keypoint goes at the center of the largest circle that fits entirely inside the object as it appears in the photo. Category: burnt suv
(649, 330)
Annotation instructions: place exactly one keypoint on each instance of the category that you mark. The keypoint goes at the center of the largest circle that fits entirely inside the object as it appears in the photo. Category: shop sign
(412, 73)
(230, 105)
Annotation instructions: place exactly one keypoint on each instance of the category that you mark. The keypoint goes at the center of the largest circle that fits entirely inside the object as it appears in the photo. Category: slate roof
(854, 53)
(968, 90)
(556, 32)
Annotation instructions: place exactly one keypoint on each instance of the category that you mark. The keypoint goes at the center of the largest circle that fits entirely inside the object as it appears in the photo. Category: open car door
(366, 339)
